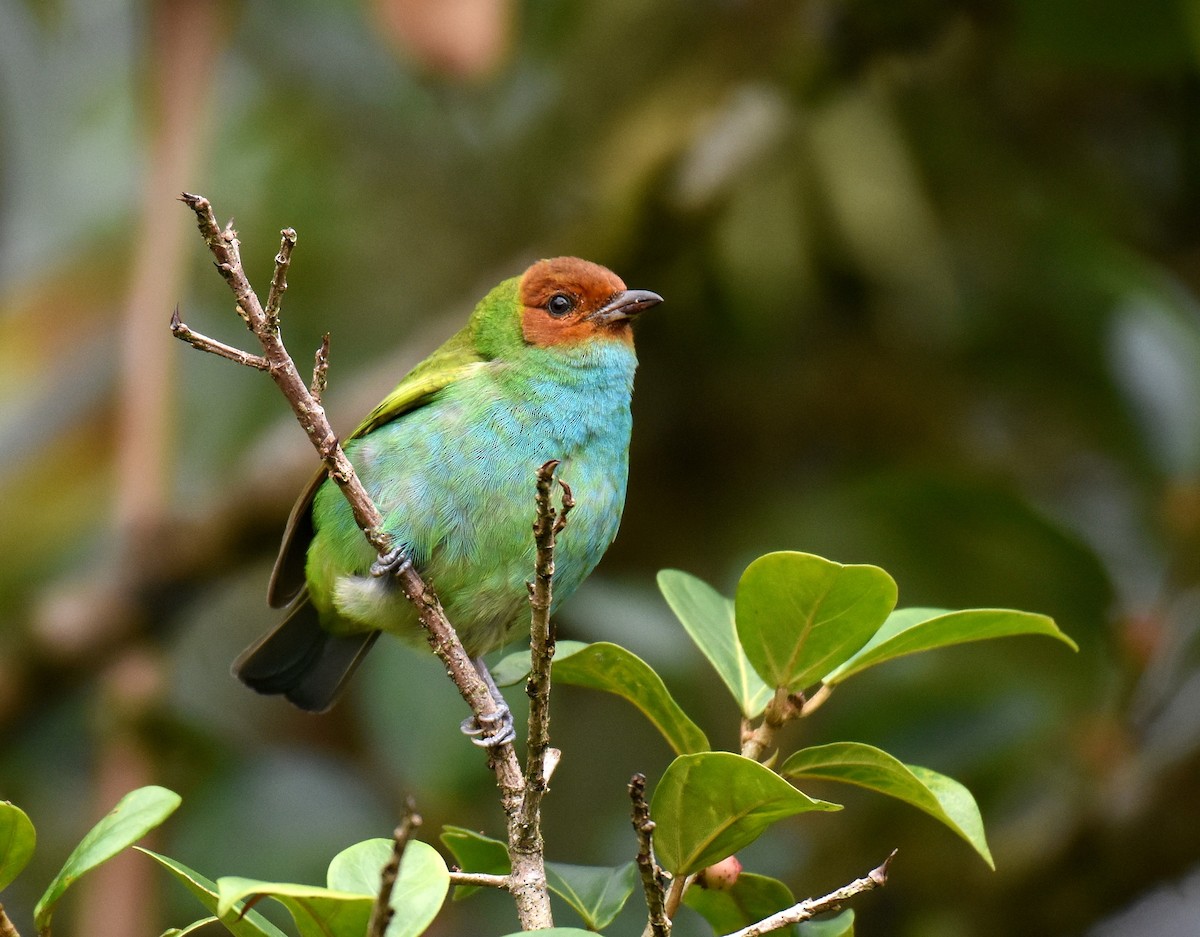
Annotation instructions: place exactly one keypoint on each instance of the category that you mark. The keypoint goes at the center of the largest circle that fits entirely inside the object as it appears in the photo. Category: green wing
(453, 361)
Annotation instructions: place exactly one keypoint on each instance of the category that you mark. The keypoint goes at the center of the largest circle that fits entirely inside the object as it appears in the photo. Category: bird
(543, 370)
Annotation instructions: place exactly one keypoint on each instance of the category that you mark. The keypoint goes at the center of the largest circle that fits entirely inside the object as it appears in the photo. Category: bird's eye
(560, 304)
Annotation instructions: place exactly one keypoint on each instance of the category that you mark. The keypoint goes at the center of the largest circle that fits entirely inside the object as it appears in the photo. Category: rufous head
(566, 300)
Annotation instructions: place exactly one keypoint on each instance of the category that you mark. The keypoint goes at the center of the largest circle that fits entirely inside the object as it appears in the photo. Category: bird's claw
(492, 732)
(392, 563)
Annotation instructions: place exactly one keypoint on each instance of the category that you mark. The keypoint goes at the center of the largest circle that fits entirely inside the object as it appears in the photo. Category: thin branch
(381, 911)
(213, 347)
(320, 378)
(531, 897)
(224, 246)
(814, 702)
(525, 847)
(811, 907)
(546, 526)
(657, 923)
(479, 879)
(6, 926)
(279, 280)
(679, 884)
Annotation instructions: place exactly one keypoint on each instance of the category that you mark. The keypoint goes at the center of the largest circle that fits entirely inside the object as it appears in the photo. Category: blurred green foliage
(931, 274)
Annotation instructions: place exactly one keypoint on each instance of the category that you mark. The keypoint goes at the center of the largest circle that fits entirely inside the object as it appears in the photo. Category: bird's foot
(392, 563)
(492, 732)
(497, 729)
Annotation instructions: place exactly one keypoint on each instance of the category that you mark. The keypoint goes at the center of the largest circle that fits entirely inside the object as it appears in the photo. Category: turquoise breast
(454, 480)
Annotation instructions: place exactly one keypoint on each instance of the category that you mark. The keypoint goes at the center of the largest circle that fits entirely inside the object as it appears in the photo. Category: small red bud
(721, 876)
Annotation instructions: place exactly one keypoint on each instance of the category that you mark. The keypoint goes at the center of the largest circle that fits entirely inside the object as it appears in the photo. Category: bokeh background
(931, 272)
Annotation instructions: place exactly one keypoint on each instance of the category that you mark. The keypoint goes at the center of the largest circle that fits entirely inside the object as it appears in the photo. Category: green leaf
(474, 852)
(193, 928)
(752, 898)
(133, 817)
(908, 630)
(318, 912)
(514, 667)
(598, 893)
(707, 616)
(709, 805)
(841, 925)
(855, 763)
(611, 668)
(17, 841)
(237, 921)
(420, 887)
(799, 615)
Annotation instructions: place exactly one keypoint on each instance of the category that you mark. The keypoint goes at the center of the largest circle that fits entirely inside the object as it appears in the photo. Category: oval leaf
(751, 899)
(939, 796)
(597, 893)
(841, 925)
(709, 805)
(137, 813)
(909, 630)
(474, 852)
(707, 616)
(318, 912)
(17, 840)
(237, 921)
(420, 887)
(611, 668)
(800, 615)
(514, 667)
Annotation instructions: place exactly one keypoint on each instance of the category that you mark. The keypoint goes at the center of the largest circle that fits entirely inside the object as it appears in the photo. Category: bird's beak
(626, 305)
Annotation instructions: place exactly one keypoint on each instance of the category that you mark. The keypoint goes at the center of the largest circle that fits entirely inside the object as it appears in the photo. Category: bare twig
(6, 925)
(279, 280)
(814, 702)
(480, 879)
(675, 891)
(530, 896)
(320, 378)
(546, 526)
(657, 923)
(381, 911)
(213, 347)
(525, 847)
(811, 907)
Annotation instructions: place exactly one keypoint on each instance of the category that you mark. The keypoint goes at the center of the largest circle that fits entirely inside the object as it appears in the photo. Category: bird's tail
(302, 661)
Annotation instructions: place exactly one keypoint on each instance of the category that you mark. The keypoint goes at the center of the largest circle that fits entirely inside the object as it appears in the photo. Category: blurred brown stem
(6, 926)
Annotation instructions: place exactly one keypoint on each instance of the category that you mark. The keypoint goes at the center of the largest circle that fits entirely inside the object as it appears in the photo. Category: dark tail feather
(302, 661)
